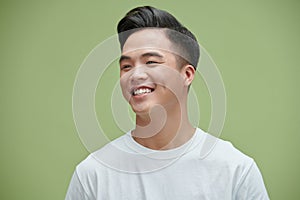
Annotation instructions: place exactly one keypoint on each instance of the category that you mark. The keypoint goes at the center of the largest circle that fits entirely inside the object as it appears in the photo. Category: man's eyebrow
(150, 54)
(124, 58)
(147, 54)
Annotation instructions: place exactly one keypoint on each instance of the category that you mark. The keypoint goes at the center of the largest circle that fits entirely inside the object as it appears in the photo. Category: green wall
(255, 45)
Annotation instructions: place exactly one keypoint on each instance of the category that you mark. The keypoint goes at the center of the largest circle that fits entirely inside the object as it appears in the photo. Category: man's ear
(188, 72)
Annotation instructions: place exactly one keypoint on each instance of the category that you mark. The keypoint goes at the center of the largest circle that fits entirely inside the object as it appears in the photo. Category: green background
(255, 45)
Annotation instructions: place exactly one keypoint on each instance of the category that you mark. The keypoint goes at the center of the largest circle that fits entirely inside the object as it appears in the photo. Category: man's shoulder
(210, 148)
(220, 150)
(95, 160)
(224, 147)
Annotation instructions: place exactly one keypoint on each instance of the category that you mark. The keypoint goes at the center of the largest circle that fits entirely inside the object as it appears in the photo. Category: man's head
(158, 62)
(184, 42)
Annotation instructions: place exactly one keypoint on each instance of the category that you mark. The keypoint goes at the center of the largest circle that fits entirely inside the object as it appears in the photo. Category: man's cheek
(125, 90)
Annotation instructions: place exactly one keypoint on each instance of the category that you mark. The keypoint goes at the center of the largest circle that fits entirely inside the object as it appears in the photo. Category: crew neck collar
(164, 154)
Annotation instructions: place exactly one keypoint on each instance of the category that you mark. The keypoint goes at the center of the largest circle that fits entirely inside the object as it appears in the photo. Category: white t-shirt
(124, 169)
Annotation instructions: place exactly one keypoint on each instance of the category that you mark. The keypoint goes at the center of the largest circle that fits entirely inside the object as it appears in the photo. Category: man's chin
(141, 112)
(139, 108)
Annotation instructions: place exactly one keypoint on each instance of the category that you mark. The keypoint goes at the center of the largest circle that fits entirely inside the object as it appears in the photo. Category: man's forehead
(150, 38)
(147, 51)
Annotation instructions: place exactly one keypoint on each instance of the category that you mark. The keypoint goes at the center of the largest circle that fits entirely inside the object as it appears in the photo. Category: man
(160, 158)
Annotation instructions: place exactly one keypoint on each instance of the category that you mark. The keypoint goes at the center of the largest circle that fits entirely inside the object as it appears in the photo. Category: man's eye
(151, 62)
(125, 67)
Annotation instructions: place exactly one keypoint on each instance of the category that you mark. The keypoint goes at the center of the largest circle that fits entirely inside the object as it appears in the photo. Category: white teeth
(141, 91)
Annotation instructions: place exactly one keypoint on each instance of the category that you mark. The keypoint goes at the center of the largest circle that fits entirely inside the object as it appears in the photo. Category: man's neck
(163, 131)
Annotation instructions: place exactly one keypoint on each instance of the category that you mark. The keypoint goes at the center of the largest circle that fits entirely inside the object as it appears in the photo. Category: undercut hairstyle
(149, 17)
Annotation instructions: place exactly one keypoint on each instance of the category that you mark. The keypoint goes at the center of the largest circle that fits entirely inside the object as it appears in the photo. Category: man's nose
(139, 73)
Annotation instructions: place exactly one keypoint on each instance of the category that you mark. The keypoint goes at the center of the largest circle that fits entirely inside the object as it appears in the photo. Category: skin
(148, 61)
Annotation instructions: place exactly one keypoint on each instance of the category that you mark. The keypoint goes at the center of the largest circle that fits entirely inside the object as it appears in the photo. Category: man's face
(149, 72)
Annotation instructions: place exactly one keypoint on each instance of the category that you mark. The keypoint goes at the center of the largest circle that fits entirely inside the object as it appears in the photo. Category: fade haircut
(149, 17)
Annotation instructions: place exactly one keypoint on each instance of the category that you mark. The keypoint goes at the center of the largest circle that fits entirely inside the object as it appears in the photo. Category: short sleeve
(76, 190)
(252, 187)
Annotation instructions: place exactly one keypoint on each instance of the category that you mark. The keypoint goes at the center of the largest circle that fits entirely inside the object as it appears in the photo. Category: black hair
(150, 17)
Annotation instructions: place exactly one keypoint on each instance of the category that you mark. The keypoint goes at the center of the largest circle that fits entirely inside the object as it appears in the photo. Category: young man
(160, 158)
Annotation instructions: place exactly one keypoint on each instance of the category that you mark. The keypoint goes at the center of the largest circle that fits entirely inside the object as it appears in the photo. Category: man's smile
(142, 91)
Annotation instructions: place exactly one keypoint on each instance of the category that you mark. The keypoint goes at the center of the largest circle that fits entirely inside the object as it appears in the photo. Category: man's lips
(137, 91)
